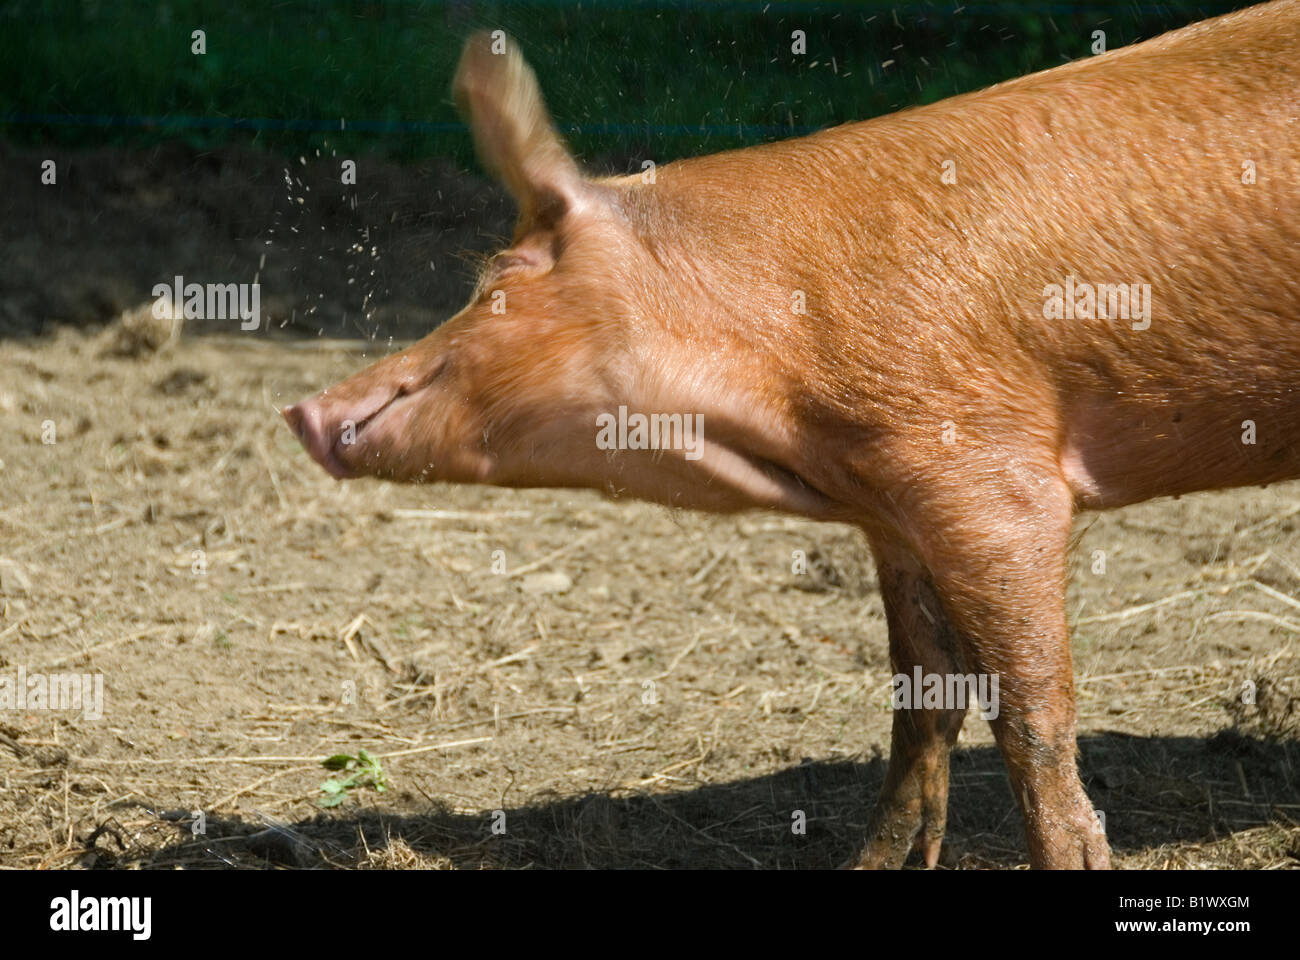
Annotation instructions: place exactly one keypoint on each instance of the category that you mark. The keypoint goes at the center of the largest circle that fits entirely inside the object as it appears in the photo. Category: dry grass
(676, 699)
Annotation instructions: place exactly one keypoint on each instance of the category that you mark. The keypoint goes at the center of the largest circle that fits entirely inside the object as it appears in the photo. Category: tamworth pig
(953, 327)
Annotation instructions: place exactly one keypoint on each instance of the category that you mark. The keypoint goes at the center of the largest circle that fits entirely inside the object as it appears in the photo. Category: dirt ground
(639, 688)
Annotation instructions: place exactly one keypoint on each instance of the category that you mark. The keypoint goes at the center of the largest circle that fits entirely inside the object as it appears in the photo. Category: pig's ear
(498, 93)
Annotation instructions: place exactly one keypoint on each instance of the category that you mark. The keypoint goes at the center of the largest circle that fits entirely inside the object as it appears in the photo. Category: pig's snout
(308, 422)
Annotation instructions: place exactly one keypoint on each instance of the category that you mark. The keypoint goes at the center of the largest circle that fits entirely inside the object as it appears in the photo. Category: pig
(913, 324)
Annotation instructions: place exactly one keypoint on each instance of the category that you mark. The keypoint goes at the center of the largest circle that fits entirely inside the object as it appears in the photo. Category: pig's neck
(778, 309)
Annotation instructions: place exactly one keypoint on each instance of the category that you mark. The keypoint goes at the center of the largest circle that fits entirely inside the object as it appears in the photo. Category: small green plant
(363, 770)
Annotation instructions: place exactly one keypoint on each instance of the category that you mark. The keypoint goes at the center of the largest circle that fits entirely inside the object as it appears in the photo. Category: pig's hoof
(1071, 840)
(898, 830)
(1097, 856)
(1081, 854)
(1079, 844)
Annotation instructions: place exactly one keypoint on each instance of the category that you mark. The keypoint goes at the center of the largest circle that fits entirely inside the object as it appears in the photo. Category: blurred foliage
(624, 78)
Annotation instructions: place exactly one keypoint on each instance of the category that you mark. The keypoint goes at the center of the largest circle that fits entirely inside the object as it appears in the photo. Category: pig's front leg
(913, 804)
(997, 560)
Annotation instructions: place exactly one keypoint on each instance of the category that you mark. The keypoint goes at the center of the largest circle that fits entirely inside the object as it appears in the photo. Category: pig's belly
(1116, 453)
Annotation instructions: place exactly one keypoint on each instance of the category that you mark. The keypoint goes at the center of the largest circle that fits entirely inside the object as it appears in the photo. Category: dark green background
(620, 76)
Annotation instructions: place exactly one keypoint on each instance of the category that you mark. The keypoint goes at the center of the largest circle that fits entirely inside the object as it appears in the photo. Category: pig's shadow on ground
(1152, 790)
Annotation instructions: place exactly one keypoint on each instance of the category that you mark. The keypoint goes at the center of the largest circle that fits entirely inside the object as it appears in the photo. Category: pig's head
(588, 311)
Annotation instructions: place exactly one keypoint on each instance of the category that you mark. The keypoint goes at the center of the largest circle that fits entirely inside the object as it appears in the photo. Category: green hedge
(623, 78)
